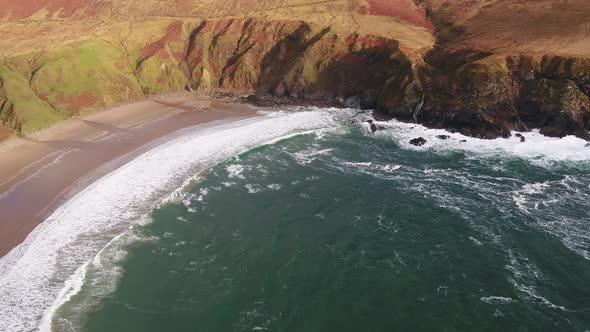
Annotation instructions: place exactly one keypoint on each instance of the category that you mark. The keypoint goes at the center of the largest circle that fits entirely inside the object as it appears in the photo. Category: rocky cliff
(463, 65)
(507, 65)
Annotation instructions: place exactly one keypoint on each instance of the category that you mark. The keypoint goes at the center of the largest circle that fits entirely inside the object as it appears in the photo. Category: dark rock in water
(519, 135)
(464, 141)
(443, 137)
(372, 125)
(418, 141)
(522, 139)
(587, 145)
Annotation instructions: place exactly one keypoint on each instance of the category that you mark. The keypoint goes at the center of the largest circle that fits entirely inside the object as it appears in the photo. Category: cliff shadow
(284, 57)
(369, 77)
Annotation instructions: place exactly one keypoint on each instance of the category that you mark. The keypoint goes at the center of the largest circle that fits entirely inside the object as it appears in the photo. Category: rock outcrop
(490, 74)
(420, 141)
(463, 65)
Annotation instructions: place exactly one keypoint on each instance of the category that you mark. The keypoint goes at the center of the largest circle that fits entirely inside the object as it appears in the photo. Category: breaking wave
(44, 272)
(77, 248)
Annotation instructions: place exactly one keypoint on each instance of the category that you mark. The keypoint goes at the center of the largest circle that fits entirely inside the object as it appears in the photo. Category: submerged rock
(372, 126)
(522, 138)
(418, 141)
(443, 137)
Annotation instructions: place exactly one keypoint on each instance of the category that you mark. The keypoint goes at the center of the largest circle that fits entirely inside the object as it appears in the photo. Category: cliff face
(489, 95)
(507, 65)
(465, 63)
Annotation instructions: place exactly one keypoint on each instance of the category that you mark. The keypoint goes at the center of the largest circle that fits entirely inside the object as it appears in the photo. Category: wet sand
(39, 174)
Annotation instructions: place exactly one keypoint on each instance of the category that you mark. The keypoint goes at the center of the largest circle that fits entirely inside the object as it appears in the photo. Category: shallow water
(336, 229)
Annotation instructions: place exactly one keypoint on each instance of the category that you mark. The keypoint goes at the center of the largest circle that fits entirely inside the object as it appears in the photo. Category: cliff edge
(480, 67)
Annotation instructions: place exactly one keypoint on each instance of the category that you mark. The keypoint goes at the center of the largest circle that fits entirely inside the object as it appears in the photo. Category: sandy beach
(41, 172)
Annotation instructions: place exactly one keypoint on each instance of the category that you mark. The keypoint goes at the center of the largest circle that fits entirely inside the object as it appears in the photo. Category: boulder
(372, 126)
(418, 141)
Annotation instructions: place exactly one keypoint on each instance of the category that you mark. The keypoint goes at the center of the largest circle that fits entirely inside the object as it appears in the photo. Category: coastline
(80, 244)
(65, 158)
(94, 225)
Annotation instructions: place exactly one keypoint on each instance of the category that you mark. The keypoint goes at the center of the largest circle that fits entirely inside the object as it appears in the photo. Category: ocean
(302, 220)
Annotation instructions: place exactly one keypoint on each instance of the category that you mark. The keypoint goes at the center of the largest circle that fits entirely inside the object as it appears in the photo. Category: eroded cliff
(507, 65)
(454, 64)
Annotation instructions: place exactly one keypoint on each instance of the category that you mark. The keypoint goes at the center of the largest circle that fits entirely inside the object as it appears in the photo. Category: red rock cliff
(481, 67)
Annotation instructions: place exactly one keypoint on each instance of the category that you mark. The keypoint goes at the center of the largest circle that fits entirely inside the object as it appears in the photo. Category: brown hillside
(483, 67)
(540, 27)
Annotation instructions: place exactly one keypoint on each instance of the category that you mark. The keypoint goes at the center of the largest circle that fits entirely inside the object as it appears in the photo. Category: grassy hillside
(21, 109)
(125, 60)
(84, 76)
(477, 68)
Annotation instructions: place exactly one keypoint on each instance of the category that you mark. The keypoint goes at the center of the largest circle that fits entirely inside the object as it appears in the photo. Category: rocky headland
(480, 67)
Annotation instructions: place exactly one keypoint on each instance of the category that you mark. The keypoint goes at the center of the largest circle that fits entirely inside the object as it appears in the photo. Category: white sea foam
(274, 186)
(551, 200)
(537, 147)
(382, 171)
(309, 155)
(235, 171)
(33, 275)
(359, 164)
(548, 199)
(202, 193)
(497, 300)
(253, 188)
(530, 189)
(390, 168)
(525, 276)
(476, 241)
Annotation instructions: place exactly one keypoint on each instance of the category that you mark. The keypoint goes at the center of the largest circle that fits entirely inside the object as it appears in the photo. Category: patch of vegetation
(155, 77)
(84, 76)
(20, 108)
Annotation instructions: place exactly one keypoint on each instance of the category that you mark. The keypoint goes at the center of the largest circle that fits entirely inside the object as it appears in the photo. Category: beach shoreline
(42, 171)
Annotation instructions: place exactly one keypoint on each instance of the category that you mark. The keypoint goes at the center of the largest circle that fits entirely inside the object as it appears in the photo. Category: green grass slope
(20, 108)
(85, 76)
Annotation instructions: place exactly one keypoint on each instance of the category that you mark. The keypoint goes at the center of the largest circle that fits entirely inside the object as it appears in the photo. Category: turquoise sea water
(330, 228)
(345, 231)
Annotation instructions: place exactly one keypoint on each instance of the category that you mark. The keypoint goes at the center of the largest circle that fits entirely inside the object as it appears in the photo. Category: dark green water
(306, 235)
